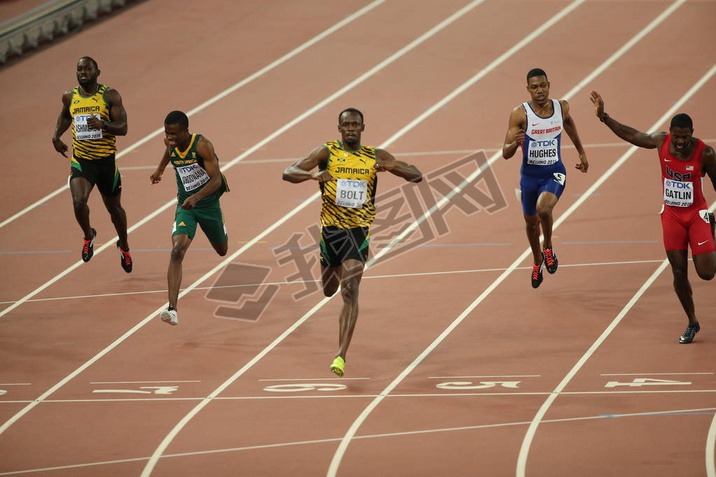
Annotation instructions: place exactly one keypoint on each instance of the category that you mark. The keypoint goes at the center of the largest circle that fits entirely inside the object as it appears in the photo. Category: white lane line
(665, 391)
(335, 463)
(711, 449)
(219, 96)
(412, 45)
(159, 451)
(291, 124)
(536, 33)
(675, 412)
(365, 277)
(290, 160)
(529, 436)
(479, 377)
(430, 395)
(312, 379)
(75, 466)
(200, 398)
(342, 447)
(545, 393)
(652, 374)
(141, 382)
(170, 437)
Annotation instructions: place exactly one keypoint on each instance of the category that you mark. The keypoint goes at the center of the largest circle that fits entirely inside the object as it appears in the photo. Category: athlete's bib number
(543, 153)
(678, 194)
(192, 176)
(82, 130)
(351, 193)
(704, 214)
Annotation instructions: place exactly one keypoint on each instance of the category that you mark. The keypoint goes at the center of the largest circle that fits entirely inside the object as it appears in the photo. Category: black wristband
(604, 117)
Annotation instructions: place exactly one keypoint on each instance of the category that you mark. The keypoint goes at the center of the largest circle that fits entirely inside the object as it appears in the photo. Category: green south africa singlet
(191, 175)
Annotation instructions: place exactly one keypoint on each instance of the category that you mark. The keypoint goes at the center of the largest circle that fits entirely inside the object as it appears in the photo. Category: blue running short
(532, 187)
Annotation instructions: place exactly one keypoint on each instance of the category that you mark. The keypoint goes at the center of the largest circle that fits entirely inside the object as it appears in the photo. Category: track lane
(329, 324)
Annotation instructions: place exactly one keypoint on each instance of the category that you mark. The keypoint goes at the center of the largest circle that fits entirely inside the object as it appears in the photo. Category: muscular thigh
(109, 181)
(81, 168)
(211, 220)
(102, 172)
(700, 238)
(185, 223)
(555, 185)
(675, 231)
(533, 187)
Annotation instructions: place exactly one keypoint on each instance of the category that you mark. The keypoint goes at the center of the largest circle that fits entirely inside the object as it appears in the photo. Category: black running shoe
(126, 259)
(689, 334)
(550, 260)
(537, 274)
(88, 247)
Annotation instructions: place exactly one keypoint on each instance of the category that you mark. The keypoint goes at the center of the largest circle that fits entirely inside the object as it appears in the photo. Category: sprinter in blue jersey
(537, 126)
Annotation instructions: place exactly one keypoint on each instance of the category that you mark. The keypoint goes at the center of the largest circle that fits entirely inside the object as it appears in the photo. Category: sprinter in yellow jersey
(347, 178)
(97, 116)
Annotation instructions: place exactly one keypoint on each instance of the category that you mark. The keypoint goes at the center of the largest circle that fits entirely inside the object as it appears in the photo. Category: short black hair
(350, 110)
(177, 117)
(536, 72)
(682, 121)
(91, 60)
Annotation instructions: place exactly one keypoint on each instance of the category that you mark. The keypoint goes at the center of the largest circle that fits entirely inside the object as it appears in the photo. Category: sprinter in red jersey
(685, 218)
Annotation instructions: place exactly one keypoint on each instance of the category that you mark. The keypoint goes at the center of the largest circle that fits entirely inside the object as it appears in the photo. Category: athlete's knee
(79, 201)
(178, 252)
(114, 206)
(532, 225)
(544, 214)
(680, 274)
(116, 209)
(349, 290)
(706, 274)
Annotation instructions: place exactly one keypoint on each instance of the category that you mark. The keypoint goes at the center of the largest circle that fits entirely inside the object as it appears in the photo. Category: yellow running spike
(338, 365)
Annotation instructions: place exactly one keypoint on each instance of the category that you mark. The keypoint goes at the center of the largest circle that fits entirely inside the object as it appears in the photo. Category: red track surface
(96, 385)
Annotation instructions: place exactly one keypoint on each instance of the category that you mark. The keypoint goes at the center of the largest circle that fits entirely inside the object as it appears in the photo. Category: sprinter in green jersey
(200, 184)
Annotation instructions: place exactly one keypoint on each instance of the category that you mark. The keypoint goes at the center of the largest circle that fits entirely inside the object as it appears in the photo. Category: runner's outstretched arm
(627, 133)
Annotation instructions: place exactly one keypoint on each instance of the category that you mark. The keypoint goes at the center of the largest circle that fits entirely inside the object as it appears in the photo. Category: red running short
(684, 228)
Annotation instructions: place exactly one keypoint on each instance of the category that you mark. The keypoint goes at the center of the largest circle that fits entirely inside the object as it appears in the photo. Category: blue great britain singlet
(541, 153)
